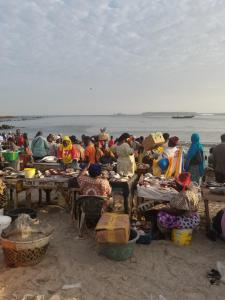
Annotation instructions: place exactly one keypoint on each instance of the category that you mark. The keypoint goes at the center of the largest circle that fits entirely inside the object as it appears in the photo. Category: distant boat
(183, 117)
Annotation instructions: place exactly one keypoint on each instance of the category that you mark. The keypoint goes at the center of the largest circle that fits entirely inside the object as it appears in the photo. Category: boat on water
(183, 117)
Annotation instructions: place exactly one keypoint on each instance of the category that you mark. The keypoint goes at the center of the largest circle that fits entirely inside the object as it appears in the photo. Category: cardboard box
(113, 228)
(153, 140)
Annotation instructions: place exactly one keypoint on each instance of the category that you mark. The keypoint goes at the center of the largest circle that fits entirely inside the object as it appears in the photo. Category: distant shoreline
(7, 117)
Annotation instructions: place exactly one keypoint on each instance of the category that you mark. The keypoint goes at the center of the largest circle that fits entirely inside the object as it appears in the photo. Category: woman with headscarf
(195, 159)
(67, 154)
(126, 162)
(93, 184)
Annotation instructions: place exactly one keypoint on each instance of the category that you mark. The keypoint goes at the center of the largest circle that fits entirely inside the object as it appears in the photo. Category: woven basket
(24, 253)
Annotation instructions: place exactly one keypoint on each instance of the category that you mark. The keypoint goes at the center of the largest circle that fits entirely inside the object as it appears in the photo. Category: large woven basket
(24, 253)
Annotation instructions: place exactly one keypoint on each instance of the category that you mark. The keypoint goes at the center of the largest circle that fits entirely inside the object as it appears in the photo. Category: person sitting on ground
(39, 146)
(219, 160)
(67, 154)
(90, 151)
(94, 184)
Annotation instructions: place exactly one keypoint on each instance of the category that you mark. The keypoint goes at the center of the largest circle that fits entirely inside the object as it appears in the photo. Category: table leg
(11, 194)
(207, 217)
(15, 202)
(40, 197)
(126, 206)
(28, 197)
(48, 196)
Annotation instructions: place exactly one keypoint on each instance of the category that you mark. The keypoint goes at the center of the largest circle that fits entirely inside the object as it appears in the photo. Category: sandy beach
(159, 271)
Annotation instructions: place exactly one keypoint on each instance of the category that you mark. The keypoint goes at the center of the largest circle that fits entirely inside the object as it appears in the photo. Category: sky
(111, 56)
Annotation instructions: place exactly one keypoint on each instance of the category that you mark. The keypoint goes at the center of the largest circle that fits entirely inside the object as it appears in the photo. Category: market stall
(155, 188)
(125, 186)
(212, 192)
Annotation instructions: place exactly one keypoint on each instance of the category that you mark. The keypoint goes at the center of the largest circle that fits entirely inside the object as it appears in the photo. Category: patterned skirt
(168, 221)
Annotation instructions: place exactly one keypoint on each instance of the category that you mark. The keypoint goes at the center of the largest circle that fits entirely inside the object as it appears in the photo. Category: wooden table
(42, 166)
(66, 185)
(126, 188)
(15, 187)
(207, 197)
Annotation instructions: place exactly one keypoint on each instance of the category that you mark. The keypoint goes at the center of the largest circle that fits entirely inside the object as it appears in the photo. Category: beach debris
(221, 269)
(32, 297)
(71, 286)
(214, 277)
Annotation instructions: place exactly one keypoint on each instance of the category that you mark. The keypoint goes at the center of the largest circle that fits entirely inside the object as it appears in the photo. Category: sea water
(210, 127)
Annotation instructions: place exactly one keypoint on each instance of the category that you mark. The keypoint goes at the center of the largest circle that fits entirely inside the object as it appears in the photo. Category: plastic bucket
(10, 155)
(120, 252)
(29, 172)
(182, 237)
(4, 222)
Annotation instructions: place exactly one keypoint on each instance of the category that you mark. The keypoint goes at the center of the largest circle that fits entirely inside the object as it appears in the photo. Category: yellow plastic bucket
(182, 237)
(29, 172)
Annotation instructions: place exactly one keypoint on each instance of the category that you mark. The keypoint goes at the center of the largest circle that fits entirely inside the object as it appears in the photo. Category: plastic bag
(221, 269)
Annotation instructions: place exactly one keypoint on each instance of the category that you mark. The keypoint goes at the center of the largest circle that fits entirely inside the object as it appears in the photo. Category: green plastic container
(120, 252)
(10, 155)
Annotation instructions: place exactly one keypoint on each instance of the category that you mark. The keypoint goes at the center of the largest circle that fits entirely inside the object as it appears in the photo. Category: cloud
(99, 40)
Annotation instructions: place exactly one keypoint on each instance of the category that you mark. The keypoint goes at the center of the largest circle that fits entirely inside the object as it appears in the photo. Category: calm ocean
(210, 127)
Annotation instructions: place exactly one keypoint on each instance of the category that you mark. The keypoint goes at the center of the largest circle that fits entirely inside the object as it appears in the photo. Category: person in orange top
(90, 152)
(67, 154)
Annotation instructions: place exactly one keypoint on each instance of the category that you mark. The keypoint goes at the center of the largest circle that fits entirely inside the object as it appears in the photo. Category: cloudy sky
(107, 56)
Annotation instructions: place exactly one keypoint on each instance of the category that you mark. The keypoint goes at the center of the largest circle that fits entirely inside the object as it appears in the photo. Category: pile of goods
(115, 238)
(9, 172)
(25, 241)
(157, 188)
(153, 140)
(143, 168)
(114, 177)
(52, 172)
(144, 230)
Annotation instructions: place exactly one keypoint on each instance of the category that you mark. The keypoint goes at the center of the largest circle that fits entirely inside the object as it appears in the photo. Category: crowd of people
(127, 151)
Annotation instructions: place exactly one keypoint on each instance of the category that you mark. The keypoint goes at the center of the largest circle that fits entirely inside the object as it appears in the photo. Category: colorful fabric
(90, 153)
(67, 153)
(223, 225)
(186, 200)
(175, 158)
(168, 221)
(194, 149)
(94, 186)
(19, 140)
